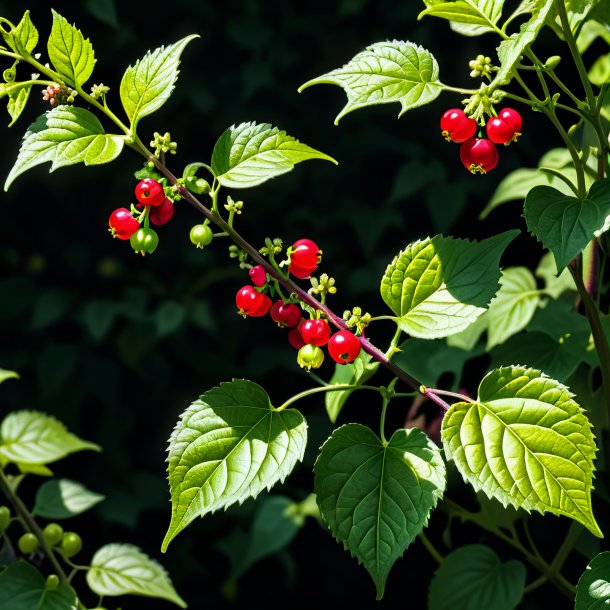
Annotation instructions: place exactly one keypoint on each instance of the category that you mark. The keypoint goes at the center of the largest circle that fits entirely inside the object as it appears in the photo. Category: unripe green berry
(5, 517)
(552, 62)
(28, 543)
(71, 544)
(53, 533)
(201, 235)
(52, 582)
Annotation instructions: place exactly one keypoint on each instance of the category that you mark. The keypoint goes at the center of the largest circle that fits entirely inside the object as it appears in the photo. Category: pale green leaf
(31, 437)
(471, 576)
(249, 154)
(63, 498)
(358, 372)
(228, 446)
(146, 86)
(554, 285)
(121, 569)
(64, 136)
(576, 10)
(525, 442)
(4, 375)
(511, 49)
(565, 224)
(438, 286)
(17, 100)
(593, 589)
(484, 14)
(377, 496)
(513, 306)
(590, 31)
(70, 52)
(23, 587)
(384, 73)
(599, 72)
(469, 337)
(23, 38)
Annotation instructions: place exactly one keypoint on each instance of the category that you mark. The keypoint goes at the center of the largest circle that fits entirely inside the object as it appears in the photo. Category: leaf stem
(430, 547)
(329, 388)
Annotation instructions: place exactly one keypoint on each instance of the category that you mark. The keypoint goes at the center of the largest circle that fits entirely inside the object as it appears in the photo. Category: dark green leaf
(593, 590)
(62, 499)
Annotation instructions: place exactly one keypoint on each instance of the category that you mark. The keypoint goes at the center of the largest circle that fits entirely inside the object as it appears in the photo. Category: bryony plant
(525, 440)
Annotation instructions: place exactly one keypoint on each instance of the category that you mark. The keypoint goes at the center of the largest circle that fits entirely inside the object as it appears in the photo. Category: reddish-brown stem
(286, 282)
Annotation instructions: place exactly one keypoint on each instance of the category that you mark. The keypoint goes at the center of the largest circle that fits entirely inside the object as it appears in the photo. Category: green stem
(541, 580)
(384, 408)
(566, 546)
(330, 388)
(597, 330)
(430, 548)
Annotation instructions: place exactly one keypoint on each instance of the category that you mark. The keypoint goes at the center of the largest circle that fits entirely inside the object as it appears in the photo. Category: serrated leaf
(593, 589)
(23, 587)
(147, 85)
(525, 442)
(511, 49)
(121, 569)
(514, 306)
(70, 52)
(482, 13)
(471, 576)
(17, 100)
(4, 375)
(554, 285)
(63, 498)
(438, 286)
(384, 73)
(249, 154)
(64, 136)
(358, 372)
(23, 38)
(376, 496)
(31, 437)
(564, 224)
(227, 447)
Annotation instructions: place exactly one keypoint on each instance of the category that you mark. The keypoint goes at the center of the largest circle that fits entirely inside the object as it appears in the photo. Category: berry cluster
(478, 154)
(308, 336)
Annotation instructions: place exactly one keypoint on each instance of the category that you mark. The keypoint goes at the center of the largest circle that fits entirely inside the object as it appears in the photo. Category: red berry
(122, 224)
(315, 332)
(286, 315)
(456, 126)
(304, 258)
(258, 275)
(512, 118)
(250, 302)
(149, 192)
(294, 337)
(344, 347)
(162, 213)
(479, 155)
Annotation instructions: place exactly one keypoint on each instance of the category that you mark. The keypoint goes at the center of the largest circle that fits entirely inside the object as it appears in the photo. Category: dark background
(116, 345)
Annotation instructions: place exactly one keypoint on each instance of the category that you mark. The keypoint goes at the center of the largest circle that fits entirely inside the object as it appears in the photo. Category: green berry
(5, 517)
(28, 543)
(53, 533)
(201, 235)
(71, 544)
(52, 582)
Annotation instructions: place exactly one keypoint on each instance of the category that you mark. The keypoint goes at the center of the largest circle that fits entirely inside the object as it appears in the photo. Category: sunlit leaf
(62, 499)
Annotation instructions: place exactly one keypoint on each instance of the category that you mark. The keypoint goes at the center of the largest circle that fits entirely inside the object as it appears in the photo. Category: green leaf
(599, 72)
(70, 52)
(98, 317)
(23, 38)
(63, 498)
(554, 285)
(375, 495)
(146, 86)
(249, 154)
(4, 375)
(31, 437)
(17, 100)
(593, 589)
(121, 569)
(471, 576)
(482, 13)
(511, 49)
(64, 136)
(590, 31)
(358, 372)
(438, 286)
(564, 224)
(169, 317)
(525, 442)
(386, 72)
(228, 446)
(23, 587)
(576, 10)
(513, 307)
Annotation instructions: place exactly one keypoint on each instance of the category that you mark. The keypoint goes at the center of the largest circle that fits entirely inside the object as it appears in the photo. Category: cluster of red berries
(305, 335)
(480, 155)
(153, 206)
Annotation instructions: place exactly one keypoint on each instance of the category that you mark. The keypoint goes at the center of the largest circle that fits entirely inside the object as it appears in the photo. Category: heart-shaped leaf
(593, 590)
